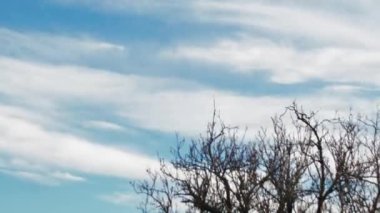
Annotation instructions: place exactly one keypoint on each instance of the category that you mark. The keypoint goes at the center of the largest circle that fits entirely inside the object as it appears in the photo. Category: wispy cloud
(74, 49)
(270, 38)
(65, 176)
(122, 6)
(60, 83)
(26, 140)
(285, 63)
(188, 113)
(151, 103)
(49, 179)
(292, 42)
(344, 22)
(296, 21)
(77, 101)
(130, 199)
(32, 177)
(105, 125)
(121, 198)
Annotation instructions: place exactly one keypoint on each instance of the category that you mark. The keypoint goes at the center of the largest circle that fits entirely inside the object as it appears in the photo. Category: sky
(92, 91)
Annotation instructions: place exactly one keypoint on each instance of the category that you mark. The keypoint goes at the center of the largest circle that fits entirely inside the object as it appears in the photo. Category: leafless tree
(367, 195)
(283, 161)
(301, 164)
(159, 191)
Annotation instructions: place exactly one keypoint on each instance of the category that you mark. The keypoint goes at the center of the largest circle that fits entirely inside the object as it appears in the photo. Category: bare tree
(216, 173)
(343, 155)
(159, 193)
(302, 164)
(367, 196)
(283, 160)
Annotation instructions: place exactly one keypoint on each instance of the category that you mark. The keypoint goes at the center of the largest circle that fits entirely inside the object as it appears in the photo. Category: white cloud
(296, 20)
(312, 40)
(189, 112)
(122, 6)
(303, 40)
(57, 48)
(294, 41)
(348, 89)
(285, 63)
(154, 103)
(129, 199)
(65, 176)
(45, 84)
(103, 125)
(36, 172)
(340, 49)
(120, 198)
(151, 103)
(32, 177)
(23, 139)
(42, 177)
(345, 22)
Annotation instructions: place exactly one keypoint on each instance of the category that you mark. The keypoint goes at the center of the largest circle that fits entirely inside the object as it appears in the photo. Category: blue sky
(91, 91)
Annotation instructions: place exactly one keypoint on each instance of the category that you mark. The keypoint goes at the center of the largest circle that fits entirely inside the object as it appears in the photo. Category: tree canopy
(301, 164)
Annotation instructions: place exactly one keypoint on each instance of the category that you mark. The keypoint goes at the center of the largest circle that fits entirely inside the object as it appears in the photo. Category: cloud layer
(23, 139)
(45, 75)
